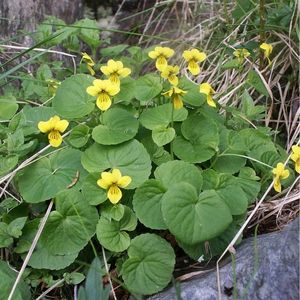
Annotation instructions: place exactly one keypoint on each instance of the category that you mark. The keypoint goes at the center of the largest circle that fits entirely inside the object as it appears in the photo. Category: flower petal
(124, 181)
(105, 70)
(210, 101)
(103, 183)
(124, 72)
(193, 67)
(173, 79)
(45, 126)
(116, 174)
(153, 54)
(297, 166)
(103, 101)
(107, 177)
(161, 63)
(55, 138)
(92, 90)
(92, 72)
(114, 194)
(177, 102)
(277, 184)
(61, 125)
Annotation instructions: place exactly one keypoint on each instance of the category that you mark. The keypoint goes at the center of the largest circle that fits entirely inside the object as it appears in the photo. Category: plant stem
(262, 33)
(172, 125)
(226, 12)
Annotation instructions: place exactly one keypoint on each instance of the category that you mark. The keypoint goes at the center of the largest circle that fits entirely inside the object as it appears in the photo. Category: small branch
(35, 240)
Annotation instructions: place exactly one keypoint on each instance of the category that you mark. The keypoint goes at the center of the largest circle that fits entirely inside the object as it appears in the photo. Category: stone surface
(266, 269)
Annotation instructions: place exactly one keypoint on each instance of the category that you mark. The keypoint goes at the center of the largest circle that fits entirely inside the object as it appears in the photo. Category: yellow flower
(279, 173)
(241, 54)
(296, 157)
(267, 49)
(175, 94)
(170, 72)
(103, 89)
(55, 126)
(89, 62)
(161, 54)
(114, 70)
(112, 182)
(205, 88)
(193, 57)
(52, 86)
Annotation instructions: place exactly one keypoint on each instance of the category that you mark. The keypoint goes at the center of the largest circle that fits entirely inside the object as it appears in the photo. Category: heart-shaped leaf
(147, 204)
(118, 126)
(194, 218)
(150, 264)
(71, 100)
(112, 234)
(71, 225)
(45, 178)
(131, 158)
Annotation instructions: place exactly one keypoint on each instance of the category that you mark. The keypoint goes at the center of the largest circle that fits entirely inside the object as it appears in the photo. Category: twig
(35, 240)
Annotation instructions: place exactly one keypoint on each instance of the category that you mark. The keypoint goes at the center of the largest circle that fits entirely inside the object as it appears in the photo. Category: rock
(266, 269)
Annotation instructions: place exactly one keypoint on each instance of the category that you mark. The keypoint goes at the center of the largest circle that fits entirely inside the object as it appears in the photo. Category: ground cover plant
(132, 158)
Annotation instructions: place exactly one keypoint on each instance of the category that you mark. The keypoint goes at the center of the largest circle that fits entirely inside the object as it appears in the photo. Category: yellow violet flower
(241, 54)
(205, 88)
(279, 173)
(89, 62)
(113, 181)
(296, 157)
(161, 54)
(55, 126)
(193, 57)
(267, 49)
(175, 94)
(170, 72)
(103, 89)
(114, 70)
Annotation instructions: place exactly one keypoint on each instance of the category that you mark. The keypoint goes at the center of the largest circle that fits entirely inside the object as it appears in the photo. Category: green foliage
(188, 171)
(150, 264)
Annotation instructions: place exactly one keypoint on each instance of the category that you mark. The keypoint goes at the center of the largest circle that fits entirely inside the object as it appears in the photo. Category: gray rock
(266, 269)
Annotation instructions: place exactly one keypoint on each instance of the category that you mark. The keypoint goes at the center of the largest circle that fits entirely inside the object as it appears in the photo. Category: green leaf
(147, 87)
(161, 116)
(94, 288)
(8, 107)
(228, 190)
(45, 178)
(113, 50)
(194, 218)
(215, 246)
(147, 204)
(163, 136)
(71, 100)
(249, 109)
(118, 126)
(112, 211)
(32, 116)
(74, 278)
(93, 193)
(5, 239)
(158, 154)
(200, 139)
(255, 81)
(173, 172)
(131, 158)
(71, 225)
(112, 234)
(14, 229)
(41, 257)
(150, 264)
(193, 96)
(89, 32)
(231, 64)
(126, 90)
(7, 163)
(8, 278)
(79, 136)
